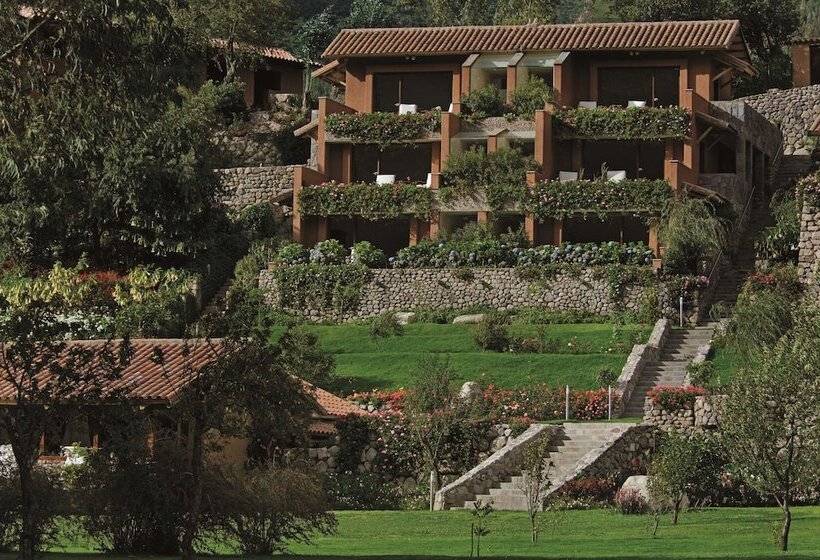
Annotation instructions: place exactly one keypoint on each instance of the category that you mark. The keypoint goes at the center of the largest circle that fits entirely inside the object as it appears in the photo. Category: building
(604, 72)
(806, 62)
(153, 380)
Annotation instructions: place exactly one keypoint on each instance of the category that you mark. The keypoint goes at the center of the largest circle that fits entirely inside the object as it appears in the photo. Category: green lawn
(713, 533)
(727, 362)
(581, 351)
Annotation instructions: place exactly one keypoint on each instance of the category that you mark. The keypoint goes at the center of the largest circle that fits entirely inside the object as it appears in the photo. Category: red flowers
(675, 398)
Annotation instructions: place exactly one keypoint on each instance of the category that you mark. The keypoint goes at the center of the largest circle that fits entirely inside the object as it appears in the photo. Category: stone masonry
(809, 245)
(246, 186)
(394, 290)
(704, 414)
(793, 110)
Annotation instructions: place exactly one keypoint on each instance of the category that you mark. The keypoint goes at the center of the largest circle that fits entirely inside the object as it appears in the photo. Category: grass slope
(713, 533)
(581, 351)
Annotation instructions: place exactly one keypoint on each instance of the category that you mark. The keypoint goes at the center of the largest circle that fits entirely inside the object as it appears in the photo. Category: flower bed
(644, 123)
(554, 199)
(366, 200)
(675, 398)
(496, 253)
(383, 129)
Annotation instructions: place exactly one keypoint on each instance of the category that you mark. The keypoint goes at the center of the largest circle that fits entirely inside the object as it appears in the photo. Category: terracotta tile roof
(268, 52)
(632, 36)
(331, 405)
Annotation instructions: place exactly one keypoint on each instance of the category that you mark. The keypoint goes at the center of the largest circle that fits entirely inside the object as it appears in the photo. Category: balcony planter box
(618, 123)
(383, 129)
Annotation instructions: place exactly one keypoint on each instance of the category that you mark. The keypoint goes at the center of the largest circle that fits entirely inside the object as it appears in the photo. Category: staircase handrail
(741, 220)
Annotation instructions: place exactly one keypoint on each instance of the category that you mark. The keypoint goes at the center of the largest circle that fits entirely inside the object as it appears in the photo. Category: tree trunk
(28, 533)
(676, 510)
(193, 495)
(787, 523)
(433, 487)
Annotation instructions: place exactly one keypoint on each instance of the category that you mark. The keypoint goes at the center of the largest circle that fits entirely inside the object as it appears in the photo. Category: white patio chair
(408, 108)
(567, 176)
(616, 176)
(637, 104)
(588, 104)
(385, 179)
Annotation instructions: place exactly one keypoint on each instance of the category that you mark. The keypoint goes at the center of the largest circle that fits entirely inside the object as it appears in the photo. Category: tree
(100, 150)
(770, 417)
(432, 409)
(298, 354)
(233, 29)
(242, 392)
(536, 474)
(768, 27)
(488, 12)
(514, 12)
(681, 468)
(49, 381)
(692, 233)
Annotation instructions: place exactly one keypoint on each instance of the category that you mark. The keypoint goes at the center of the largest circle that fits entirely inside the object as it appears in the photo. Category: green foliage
(692, 233)
(292, 253)
(779, 242)
(304, 286)
(606, 378)
(258, 221)
(500, 176)
(531, 97)
(554, 199)
(329, 251)
(760, 318)
(366, 254)
(704, 374)
(52, 501)
(487, 101)
(385, 326)
(300, 355)
(383, 129)
(265, 509)
(644, 123)
(354, 436)
(260, 254)
(360, 491)
(491, 333)
(684, 466)
(366, 200)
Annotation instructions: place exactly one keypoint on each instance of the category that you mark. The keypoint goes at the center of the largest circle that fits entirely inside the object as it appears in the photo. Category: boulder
(404, 318)
(639, 483)
(470, 391)
(468, 319)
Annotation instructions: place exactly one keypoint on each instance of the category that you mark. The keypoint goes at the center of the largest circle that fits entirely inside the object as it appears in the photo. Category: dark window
(638, 159)
(814, 54)
(425, 89)
(266, 81)
(410, 162)
(659, 87)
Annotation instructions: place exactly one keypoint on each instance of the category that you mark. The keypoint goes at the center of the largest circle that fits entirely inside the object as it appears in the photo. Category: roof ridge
(535, 25)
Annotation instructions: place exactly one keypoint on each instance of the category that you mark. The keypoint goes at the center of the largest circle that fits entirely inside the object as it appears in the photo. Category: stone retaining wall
(809, 245)
(641, 355)
(395, 290)
(704, 415)
(246, 186)
(793, 110)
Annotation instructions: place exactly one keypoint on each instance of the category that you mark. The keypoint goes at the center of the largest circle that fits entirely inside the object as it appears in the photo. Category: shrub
(260, 254)
(703, 374)
(258, 221)
(360, 491)
(486, 101)
(531, 97)
(492, 333)
(648, 123)
(51, 502)
(336, 287)
(606, 378)
(592, 491)
(591, 405)
(675, 398)
(385, 326)
(330, 251)
(779, 242)
(366, 254)
(292, 253)
(630, 502)
(692, 234)
(383, 129)
(368, 201)
(265, 509)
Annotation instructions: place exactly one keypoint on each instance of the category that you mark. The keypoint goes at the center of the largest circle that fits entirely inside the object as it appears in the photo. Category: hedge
(383, 129)
(638, 123)
(369, 201)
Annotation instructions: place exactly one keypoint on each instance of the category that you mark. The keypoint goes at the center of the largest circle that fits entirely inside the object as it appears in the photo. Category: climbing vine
(383, 129)
(644, 123)
(369, 201)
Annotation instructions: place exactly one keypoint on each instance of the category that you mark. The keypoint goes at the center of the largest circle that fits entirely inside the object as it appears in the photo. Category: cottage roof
(711, 35)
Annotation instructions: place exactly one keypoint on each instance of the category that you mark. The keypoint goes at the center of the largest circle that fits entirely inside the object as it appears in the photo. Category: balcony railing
(619, 123)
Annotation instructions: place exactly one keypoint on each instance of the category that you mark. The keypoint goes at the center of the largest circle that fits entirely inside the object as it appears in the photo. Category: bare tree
(536, 480)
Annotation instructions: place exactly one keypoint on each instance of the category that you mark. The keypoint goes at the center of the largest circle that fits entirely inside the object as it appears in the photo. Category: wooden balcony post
(483, 217)
(544, 140)
(450, 125)
(529, 220)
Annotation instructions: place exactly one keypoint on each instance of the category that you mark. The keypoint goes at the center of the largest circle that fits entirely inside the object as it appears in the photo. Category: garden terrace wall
(246, 186)
(809, 244)
(394, 290)
(704, 414)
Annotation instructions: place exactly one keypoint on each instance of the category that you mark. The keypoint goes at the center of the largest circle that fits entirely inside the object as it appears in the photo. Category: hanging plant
(369, 201)
(632, 123)
(383, 129)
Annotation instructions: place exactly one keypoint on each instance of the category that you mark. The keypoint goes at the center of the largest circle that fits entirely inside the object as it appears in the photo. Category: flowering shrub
(329, 251)
(498, 253)
(366, 254)
(369, 201)
(675, 398)
(360, 491)
(383, 129)
(645, 123)
(630, 502)
(555, 199)
(591, 405)
(387, 401)
(589, 490)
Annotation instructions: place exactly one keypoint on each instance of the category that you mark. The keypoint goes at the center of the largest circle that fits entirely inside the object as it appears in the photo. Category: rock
(370, 454)
(405, 318)
(470, 391)
(468, 319)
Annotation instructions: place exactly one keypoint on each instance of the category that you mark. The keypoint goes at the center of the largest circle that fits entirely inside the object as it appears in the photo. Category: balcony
(383, 129)
(619, 123)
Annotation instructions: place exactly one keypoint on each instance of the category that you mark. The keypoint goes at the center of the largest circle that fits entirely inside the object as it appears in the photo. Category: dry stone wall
(793, 110)
(809, 245)
(246, 186)
(704, 414)
(395, 290)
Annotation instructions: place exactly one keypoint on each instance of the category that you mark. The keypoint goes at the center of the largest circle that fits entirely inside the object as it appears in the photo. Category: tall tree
(768, 26)
(91, 121)
(513, 12)
(770, 420)
(49, 381)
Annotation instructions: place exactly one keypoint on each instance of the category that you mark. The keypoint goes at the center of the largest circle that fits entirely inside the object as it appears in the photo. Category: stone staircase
(670, 367)
(575, 441)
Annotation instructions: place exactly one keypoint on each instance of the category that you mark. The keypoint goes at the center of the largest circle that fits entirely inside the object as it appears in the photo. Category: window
(659, 87)
(425, 89)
